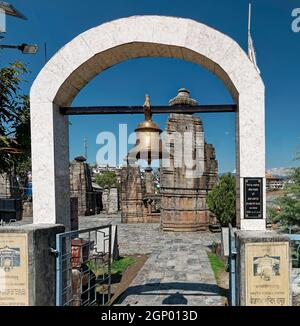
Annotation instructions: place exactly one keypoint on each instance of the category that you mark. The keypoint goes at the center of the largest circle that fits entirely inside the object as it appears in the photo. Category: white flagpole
(249, 31)
(249, 20)
(251, 50)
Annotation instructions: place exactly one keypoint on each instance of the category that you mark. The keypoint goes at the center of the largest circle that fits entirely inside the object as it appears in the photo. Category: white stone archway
(101, 47)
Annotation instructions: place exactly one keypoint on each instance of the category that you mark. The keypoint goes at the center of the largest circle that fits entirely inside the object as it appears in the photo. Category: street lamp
(8, 9)
(24, 48)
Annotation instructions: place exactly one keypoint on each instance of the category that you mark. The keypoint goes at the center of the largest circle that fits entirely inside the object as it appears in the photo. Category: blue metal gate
(232, 268)
(295, 244)
(83, 267)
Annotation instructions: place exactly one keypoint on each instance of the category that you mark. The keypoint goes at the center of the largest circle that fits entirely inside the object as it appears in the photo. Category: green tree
(106, 179)
(222, 200)
(286, 209)
(14, 121)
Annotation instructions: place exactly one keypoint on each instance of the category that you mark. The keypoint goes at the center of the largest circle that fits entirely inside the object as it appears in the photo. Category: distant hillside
(280, 172)
(276, 172)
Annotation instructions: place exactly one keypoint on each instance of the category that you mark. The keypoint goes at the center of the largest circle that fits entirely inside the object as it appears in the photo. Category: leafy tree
(222, 200)
(286, 210)
(106, 179)
(14, 122)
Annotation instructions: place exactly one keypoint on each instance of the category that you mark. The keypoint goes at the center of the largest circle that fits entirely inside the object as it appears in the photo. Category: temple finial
(147, 108)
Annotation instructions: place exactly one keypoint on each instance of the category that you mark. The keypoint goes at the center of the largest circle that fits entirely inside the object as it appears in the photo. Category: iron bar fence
(83, 267)
(295, 248)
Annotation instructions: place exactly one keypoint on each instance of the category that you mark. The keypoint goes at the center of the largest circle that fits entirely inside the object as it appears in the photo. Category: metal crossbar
(99, 110)
(294, 237)
(83, 267)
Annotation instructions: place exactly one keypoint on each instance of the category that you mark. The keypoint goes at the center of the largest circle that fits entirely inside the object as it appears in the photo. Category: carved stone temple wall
(183, 191)
(131, 195)
(139, 201)
(151, 198)
(81, 186)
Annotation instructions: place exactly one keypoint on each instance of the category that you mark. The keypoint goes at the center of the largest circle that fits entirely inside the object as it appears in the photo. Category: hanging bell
(148, 143)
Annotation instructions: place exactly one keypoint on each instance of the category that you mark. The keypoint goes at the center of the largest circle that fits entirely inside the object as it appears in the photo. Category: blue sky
(58, 21)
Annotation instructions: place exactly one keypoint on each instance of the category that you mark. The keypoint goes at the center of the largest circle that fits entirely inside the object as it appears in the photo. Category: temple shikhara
(180, 202)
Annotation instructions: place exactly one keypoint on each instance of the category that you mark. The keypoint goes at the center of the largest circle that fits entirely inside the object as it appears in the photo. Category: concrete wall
(41, 264)
(267, 245)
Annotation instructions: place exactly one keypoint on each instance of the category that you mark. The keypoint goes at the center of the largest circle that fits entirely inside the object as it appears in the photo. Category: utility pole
(45, 52)
(85, 141)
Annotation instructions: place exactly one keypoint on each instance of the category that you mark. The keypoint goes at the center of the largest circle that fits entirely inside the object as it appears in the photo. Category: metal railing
(9, 223)
(295, 239)
(10, 209)
(232, 268)
(83, 267)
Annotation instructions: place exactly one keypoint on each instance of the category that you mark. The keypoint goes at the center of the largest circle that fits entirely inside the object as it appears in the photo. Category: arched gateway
(101, 47)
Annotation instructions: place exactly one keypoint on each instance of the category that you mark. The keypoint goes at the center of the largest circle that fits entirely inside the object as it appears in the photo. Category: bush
(286, 211)
(222, 200)
(106, 179)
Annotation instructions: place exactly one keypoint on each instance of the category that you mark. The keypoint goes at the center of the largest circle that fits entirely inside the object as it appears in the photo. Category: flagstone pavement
(178, 271)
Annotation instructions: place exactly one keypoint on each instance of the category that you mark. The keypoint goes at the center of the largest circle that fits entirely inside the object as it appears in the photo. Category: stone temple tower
(81, 186)
(184, 186)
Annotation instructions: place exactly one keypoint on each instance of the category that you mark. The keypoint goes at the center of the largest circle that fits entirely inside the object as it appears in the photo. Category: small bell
(148, 143)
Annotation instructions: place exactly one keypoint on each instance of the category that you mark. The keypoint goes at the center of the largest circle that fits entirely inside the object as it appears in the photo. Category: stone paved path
(178, 271)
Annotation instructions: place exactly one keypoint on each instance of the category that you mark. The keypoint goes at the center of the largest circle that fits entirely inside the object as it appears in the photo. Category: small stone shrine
(139, 201)
(131, 195)
(81, 186)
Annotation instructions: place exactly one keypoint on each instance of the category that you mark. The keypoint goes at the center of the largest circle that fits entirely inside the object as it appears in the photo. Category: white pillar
(50, 165)
(250, 133)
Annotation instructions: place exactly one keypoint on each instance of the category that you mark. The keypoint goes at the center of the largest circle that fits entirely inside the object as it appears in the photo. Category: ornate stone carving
(183, 196)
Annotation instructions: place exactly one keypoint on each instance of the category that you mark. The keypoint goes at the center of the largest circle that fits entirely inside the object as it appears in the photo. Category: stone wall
(4, 185)
(9, 186)
(27, 209)
(105, 195)
(113, 201)
(37, 265)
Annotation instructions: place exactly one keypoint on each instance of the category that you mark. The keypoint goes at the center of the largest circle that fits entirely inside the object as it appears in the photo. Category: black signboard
(253, 198)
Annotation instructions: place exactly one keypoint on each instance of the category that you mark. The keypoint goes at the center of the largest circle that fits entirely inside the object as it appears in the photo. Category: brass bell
(148, 143)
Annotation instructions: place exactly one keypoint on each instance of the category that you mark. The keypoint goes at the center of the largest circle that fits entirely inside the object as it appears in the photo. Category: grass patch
(117, 267)
(217, 265)
(120, 265)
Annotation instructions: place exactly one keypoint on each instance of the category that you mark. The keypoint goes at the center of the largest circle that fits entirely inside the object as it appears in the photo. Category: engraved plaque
(253, 198)
(13, 270)
(267, 274)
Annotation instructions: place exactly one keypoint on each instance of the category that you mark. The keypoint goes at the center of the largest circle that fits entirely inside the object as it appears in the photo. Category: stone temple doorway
(109, 44)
